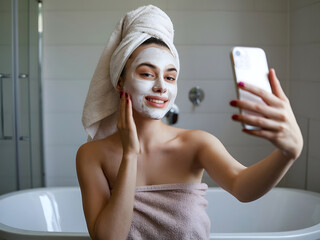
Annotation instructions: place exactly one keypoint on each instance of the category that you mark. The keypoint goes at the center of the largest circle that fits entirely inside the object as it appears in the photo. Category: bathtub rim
(8, 230)
(313, 230)
(315, 194)
(12, 231)
(246, 235)
(304, 232)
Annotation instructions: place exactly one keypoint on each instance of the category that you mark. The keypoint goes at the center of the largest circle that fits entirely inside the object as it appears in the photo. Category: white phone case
(250, 65)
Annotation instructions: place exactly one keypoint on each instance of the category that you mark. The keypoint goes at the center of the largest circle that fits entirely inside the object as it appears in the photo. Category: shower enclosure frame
(27, 156)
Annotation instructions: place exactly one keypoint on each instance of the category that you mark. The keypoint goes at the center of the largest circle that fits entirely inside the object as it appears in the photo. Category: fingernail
(241, 84)
(233, 103)
(235, 117)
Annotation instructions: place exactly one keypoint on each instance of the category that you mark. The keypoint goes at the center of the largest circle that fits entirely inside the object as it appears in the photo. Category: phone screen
(250, 65)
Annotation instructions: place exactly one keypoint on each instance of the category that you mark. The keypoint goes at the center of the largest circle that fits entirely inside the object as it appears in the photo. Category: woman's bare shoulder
(197, 140)
(198, 136)
(96, 149)
(87, 154)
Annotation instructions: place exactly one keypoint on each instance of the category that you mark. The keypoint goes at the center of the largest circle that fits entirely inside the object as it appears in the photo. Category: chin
(154, 115)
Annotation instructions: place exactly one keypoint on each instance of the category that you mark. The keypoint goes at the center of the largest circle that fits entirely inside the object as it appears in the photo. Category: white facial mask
(143, 92)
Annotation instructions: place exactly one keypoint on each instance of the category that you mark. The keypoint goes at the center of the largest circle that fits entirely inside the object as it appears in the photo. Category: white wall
(75, 32)
(304, 89)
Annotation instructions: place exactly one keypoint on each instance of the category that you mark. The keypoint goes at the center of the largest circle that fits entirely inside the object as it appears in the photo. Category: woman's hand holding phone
(275, 120)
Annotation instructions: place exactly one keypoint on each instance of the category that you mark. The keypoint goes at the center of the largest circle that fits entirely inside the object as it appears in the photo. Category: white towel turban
(99, 115)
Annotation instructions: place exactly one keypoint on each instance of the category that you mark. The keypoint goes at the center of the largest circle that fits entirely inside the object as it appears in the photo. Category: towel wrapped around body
(170, 211)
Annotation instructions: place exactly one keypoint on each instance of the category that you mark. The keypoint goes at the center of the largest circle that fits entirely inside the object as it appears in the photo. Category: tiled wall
(304, 89)
(75, 32)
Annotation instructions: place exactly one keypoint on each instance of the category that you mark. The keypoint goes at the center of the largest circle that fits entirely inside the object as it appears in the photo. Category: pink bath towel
(170, 211)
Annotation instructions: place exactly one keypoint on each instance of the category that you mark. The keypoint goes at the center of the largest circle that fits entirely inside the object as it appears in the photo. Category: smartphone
(250, 65)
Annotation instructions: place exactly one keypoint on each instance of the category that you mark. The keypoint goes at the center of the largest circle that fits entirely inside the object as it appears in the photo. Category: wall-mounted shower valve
(196, 95)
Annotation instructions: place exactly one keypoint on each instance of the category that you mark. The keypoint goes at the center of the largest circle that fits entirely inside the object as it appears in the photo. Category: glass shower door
(20, 101)
(23, 102)
(8, 173)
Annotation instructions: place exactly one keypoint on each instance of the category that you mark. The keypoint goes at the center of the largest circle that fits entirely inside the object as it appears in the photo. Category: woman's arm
(278, 125)
(256, 180)
(109, 216)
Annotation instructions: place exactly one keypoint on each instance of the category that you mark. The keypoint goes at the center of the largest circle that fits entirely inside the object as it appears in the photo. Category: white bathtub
(56, 213)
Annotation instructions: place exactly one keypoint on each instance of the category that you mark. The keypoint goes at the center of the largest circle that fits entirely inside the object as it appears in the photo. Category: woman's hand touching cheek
(127, 127)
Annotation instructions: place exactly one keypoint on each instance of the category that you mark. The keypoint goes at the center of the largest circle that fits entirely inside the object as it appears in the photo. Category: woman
(131, 178)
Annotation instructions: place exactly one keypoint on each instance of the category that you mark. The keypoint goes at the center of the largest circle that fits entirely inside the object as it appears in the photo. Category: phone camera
(238, 53)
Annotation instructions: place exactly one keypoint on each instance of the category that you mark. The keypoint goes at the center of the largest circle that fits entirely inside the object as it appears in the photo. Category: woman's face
(151, 80)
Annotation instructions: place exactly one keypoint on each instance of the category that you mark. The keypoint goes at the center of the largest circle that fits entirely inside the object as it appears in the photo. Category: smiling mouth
(157, 101)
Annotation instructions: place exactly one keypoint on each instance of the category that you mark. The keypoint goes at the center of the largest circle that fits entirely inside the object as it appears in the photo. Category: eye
(146, 75)
(145, 72)
(170, 78)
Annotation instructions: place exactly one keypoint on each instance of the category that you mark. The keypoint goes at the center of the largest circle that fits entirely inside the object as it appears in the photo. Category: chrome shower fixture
(196, 95)
(172, 115)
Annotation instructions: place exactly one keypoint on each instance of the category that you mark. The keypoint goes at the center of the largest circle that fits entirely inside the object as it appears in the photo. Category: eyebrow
(154, 67)
(172, 70)
(148, 65)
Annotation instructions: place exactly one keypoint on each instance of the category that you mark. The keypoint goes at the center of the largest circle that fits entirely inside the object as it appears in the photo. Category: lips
(156, 101)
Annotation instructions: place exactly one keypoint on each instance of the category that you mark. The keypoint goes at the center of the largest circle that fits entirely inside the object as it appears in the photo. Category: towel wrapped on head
(101, 106)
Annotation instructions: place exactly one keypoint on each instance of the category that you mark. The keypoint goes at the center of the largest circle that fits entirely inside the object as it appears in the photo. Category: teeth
(155, 101)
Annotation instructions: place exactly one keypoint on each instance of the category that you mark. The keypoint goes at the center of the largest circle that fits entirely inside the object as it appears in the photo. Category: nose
(159, 86)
